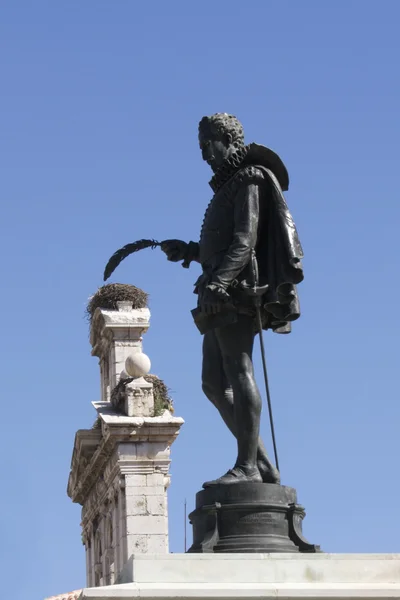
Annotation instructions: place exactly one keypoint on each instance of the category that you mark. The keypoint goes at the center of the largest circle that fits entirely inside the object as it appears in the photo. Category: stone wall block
(155, 490)
(150, 525)
(137, 544)
(158, 450)
(135, 481)
(157, 544)
(136, 505)
(156, 479)
(156, 505)
(127, 451)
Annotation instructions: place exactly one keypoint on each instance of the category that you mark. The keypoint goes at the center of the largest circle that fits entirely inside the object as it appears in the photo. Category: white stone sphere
(137, 364)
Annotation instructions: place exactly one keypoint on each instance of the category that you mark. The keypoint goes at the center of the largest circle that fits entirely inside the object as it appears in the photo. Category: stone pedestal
(248, 517)
(256, 576)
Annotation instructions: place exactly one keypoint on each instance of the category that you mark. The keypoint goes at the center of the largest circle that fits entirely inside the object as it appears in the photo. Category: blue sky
(99, 110)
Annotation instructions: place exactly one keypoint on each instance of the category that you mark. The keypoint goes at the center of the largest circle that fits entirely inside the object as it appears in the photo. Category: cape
(279, 254)
(278, 251)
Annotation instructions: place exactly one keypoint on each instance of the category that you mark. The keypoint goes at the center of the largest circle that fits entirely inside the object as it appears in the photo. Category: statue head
(220, 136)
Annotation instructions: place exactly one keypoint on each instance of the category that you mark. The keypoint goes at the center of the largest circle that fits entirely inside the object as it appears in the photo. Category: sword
(256, 292)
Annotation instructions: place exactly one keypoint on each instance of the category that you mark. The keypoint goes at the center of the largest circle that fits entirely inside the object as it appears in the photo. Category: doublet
(230, 227)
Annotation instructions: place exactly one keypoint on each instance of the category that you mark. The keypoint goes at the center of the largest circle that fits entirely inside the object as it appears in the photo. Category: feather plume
(122, 253)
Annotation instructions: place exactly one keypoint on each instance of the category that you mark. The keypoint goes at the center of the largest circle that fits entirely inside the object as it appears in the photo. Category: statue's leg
(236, 344)
(269, 473)
(220, 393)
(214, 382)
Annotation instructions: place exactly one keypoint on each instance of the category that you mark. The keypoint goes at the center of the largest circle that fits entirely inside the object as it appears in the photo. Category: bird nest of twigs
(162, 399)
(108, 295)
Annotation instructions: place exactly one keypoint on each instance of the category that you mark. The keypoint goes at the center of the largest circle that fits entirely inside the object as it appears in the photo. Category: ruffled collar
(228, 168)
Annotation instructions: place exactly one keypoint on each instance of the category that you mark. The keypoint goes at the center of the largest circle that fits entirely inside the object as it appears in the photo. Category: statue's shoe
(269, 475)
(236, 475)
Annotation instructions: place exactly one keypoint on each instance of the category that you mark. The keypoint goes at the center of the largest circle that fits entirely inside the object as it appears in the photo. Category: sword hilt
(258, 290)
(255, 290)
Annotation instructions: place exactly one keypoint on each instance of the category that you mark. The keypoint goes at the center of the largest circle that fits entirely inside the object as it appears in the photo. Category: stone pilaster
(120, 467)
(116, 338)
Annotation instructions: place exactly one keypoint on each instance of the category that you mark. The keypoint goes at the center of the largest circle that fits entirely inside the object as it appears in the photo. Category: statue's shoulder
(249, 174)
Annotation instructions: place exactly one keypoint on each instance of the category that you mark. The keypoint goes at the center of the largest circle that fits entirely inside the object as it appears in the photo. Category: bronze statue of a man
(248, 241)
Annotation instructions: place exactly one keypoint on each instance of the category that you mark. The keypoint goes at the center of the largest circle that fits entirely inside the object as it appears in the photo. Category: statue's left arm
(246, 217)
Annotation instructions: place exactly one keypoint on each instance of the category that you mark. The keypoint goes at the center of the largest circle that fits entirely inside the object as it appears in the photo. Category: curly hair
(221, 124)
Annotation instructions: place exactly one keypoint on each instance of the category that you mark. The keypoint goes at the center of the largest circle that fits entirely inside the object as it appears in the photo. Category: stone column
(87, 556)
(121, 527)
(90, 574)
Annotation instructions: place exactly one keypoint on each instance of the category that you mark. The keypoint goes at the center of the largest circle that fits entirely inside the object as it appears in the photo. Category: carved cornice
(85, 445)
(103, 320)
(78, 488)
(88, 469)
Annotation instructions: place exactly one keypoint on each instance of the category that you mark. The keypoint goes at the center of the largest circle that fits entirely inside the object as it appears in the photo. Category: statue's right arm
(177, 250)
(192, 253)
